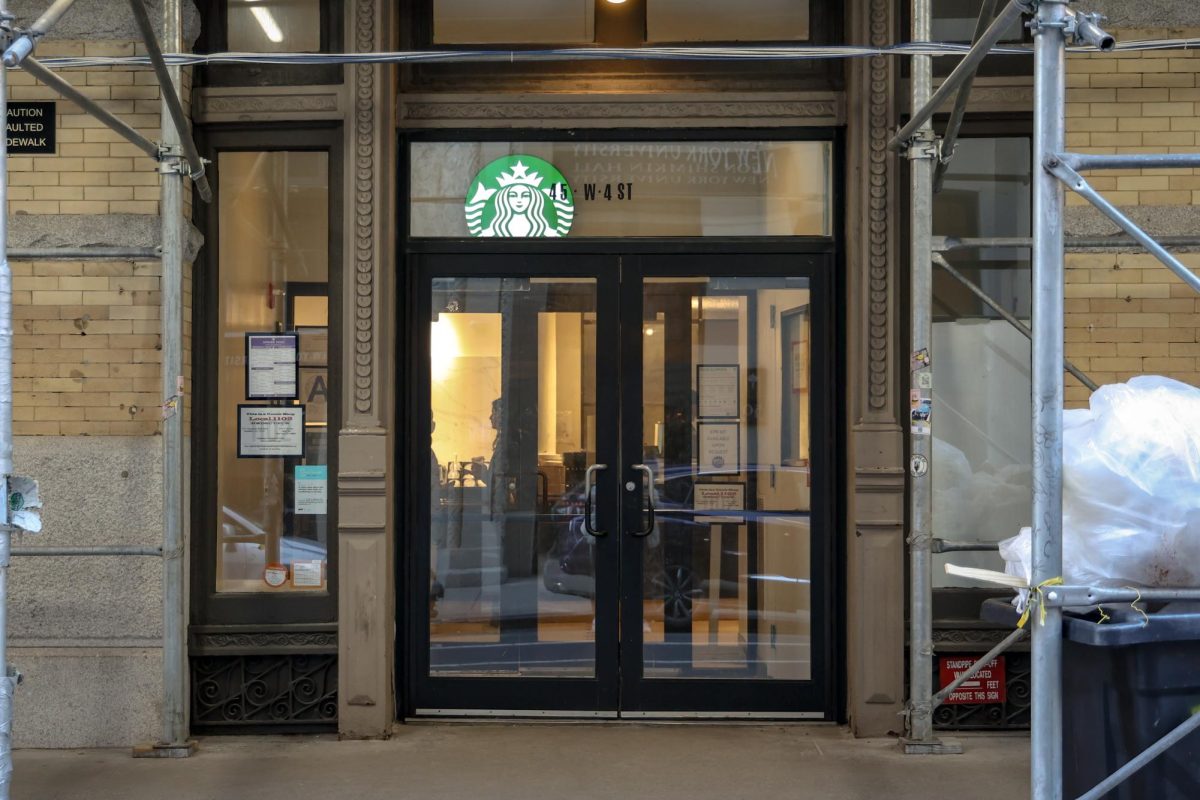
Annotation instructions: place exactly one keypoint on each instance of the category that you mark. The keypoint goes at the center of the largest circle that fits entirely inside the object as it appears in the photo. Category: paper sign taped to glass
(24, 504)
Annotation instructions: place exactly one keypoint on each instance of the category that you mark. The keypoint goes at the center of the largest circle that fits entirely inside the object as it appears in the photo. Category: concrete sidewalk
(455, 761)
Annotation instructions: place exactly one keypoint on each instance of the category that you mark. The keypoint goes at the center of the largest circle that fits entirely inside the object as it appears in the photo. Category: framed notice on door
(272, 360)
(718, 446)
(270, 431)
(718, 391)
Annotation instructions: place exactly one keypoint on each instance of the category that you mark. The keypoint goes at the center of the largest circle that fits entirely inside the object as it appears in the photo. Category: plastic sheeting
(1131, 489)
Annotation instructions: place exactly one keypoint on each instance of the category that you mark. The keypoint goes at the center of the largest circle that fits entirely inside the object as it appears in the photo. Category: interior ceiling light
(267, 22)
(616, 2)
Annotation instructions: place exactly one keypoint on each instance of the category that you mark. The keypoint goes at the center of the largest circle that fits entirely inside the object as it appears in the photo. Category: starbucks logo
(520, 197)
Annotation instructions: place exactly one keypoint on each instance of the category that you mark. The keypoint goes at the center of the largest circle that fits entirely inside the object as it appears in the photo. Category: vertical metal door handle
(588, 486)
(649, 473)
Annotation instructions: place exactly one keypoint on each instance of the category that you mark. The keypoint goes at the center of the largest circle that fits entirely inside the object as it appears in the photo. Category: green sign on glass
(520, 197)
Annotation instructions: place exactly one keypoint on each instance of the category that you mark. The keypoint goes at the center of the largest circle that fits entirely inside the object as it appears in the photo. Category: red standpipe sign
(985, 686)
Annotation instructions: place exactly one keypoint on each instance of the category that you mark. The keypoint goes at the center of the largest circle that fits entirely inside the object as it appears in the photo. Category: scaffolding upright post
(8, 682)
(1049, 139)
(922, 153)
(174, 727)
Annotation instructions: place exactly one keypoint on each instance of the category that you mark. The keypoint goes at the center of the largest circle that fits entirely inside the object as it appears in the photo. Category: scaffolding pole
(1049, 138)
(922, 154)
(8, 681)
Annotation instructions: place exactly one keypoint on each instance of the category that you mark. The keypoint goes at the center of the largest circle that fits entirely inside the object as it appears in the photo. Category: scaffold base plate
(932, 747)
(165, 750)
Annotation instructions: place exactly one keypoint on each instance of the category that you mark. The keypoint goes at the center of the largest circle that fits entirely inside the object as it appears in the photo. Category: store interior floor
(504, 761)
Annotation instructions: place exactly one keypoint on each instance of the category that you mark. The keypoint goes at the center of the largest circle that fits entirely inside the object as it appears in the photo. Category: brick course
(1127, 314)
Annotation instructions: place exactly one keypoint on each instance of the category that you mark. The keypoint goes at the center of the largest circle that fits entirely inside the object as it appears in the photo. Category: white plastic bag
(1131, 489)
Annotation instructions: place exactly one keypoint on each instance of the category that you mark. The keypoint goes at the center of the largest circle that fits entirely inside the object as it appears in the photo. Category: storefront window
(528, 21)
(955, 21)
(274, 26)
(981, 449)
(722, 21)
(577, 21)
(765, 188)
(273, 377)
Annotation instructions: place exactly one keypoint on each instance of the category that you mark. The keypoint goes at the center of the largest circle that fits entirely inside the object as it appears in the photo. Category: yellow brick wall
(95, 171)
(87, 337)
(1126, 314)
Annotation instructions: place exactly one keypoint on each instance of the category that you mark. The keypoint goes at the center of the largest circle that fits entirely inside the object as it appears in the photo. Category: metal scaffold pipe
(1048, 317)
(965, 70)
(174, 723)
(19, 50)
(170, 94)
(922, 157)
(8, 681)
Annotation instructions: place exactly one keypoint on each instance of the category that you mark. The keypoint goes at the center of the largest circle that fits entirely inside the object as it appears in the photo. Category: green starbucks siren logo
(520, 196)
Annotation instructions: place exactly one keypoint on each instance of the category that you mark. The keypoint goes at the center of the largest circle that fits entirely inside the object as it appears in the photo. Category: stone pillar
(366, 532)
(876, 477)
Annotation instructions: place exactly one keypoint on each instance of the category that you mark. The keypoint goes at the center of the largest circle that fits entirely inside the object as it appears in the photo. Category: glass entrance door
(725, 448)
(628, 499)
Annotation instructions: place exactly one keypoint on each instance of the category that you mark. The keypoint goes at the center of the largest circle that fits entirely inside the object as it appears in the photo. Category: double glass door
(626, 503)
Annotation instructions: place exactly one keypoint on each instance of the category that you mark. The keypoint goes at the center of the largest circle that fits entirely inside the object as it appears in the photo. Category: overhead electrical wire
(776, 53)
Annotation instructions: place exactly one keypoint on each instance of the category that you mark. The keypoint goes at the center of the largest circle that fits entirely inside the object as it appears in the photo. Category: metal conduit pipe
(85, 253)
(95, 550)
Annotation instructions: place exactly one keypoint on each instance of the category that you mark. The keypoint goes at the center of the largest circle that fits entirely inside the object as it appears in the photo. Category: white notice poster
(711, 497)
(271, 361)
(718, 390)
(307, 574)
(270, 431)
(311, 494)
(718, 448)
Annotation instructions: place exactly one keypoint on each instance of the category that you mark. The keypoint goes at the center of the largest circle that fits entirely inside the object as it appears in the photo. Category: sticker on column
(920, 359)
(921, 413)
(918, 466)
(925, 380)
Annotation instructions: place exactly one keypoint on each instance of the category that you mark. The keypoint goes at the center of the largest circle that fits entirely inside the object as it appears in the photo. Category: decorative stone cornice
(268, 103)
(584, 110)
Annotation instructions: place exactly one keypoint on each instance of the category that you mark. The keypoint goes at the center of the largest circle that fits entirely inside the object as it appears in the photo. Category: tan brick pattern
(86, 349)
(1126, 314)
(1137, 103)
(95, 170)
(87, 343)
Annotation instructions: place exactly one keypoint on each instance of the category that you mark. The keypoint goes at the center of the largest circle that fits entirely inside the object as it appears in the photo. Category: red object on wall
(985, 686)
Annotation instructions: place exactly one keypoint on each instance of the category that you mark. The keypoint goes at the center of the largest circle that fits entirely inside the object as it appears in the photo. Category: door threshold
(476, 714)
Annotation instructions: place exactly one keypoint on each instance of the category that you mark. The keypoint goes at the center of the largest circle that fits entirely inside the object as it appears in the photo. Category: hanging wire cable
(781, 53)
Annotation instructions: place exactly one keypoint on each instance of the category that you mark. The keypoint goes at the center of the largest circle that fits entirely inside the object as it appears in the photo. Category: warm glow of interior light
(267, 22)
(444, 347)
(616, 2)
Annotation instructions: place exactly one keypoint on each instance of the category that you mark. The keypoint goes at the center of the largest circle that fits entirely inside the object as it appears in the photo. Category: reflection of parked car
(676, 566)
(244, 548)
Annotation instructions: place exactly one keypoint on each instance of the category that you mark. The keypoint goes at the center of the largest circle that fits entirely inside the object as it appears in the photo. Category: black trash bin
(1127, 683)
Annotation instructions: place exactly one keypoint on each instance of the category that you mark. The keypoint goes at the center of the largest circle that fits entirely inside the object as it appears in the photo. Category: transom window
(623, 22)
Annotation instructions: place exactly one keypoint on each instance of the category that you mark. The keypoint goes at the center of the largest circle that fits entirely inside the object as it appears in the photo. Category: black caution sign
(31, 127)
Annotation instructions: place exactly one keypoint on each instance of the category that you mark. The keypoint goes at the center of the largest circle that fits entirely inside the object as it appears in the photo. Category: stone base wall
(85, 631)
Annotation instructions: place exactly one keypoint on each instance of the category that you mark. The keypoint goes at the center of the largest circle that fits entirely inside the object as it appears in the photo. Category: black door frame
(572, 696)
(412, 432)
(732, 696)
(618, 685)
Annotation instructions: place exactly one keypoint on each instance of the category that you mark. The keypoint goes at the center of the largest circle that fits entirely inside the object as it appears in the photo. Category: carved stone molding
(233, 639)
(878, 251)
(363, 200)
(281, 103)
(761, 109)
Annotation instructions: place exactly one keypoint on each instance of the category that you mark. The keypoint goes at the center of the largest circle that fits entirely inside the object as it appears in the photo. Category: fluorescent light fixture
(267, 22)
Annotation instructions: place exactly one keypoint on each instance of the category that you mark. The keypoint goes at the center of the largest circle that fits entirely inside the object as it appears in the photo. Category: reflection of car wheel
(675, 586)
